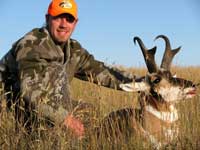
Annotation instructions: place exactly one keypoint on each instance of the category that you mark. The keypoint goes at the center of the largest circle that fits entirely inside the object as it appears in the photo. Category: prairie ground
(105, 100)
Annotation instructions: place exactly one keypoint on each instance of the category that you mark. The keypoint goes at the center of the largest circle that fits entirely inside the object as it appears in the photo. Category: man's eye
(70, 19)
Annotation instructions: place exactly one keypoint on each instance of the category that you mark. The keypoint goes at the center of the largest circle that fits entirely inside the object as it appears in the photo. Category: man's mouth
(62, 31)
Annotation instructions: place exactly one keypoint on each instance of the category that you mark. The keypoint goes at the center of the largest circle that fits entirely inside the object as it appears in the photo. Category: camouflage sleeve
(44, 84)
(97, 72)
(2, 69)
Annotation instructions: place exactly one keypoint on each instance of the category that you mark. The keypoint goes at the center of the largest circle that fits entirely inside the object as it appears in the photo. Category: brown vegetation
(106, 100)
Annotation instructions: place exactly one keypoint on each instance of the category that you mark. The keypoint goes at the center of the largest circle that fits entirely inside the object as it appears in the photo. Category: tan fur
(157, 120)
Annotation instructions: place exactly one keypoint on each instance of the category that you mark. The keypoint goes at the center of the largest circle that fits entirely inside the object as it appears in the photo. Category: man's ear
(76, 21)
(47, 17)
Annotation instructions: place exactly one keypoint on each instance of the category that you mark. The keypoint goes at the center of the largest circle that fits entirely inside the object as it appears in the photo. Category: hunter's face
(61, 27)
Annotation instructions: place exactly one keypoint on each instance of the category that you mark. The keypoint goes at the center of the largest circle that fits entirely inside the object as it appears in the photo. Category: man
(41, 66)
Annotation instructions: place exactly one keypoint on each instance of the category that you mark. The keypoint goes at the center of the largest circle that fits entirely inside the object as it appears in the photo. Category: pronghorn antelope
(157, 118)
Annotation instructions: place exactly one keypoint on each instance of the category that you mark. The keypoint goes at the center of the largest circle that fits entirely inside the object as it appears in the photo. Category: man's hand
(75, 125)
(139, 84)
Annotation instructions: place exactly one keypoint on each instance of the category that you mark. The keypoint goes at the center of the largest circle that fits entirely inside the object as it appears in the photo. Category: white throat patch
(165, 116)
(171, 94)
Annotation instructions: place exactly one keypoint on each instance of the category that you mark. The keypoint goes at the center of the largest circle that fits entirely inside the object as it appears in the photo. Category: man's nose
(63, 22)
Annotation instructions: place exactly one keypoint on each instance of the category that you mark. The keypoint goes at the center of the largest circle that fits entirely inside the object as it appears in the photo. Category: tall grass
(14, 135)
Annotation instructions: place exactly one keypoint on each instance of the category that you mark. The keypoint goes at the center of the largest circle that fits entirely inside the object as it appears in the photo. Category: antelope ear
(134, 87)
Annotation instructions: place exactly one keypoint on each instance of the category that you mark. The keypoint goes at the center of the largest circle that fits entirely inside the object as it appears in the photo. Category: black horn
(168, 54)
(149, 55)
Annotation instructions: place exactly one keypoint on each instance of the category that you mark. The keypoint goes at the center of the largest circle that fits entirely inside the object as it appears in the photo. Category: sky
(106, 27)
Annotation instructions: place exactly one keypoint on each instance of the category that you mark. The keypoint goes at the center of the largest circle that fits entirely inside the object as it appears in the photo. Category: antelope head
(159, 82)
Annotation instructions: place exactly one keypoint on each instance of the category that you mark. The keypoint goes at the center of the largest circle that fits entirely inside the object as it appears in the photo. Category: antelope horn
(149, 55)
(168, 54)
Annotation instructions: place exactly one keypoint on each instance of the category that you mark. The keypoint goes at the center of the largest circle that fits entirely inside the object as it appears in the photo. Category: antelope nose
(194, 87)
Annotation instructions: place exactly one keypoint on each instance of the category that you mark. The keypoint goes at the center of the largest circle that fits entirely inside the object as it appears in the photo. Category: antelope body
(157, 119)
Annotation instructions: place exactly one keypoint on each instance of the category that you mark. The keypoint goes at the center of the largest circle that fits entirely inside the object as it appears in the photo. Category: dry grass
(106, 100)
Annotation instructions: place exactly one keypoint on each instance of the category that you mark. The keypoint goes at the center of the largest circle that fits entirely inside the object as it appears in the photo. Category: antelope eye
(157, 80)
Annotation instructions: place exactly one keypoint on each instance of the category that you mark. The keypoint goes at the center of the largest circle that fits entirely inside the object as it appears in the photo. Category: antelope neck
(158, 103)
(167, 116)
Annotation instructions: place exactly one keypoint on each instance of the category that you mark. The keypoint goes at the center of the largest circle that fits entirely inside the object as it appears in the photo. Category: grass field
(106, 100)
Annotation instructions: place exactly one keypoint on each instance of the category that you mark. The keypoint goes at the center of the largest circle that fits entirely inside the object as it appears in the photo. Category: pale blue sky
(106, 27)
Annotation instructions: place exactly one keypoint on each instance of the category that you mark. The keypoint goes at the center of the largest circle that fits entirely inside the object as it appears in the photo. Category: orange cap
(57, 7)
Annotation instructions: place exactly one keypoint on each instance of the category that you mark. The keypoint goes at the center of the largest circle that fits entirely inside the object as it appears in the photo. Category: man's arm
(44, 86)
(95, 71)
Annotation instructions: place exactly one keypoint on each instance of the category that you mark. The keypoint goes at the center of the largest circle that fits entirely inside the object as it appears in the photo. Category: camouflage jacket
(42, 71)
